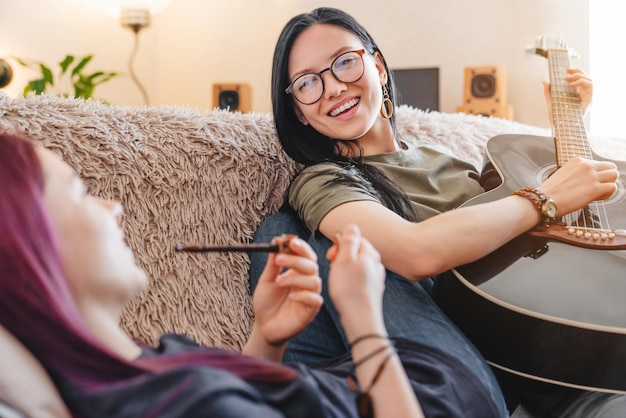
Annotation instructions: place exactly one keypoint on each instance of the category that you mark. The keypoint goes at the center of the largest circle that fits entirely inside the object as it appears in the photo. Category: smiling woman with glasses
(404, 195)
(308, 88)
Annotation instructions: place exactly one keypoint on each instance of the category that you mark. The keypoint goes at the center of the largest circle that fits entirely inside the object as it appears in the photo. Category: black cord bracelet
(365, 407)
(367, 337)
(379, 371)
(372, 354)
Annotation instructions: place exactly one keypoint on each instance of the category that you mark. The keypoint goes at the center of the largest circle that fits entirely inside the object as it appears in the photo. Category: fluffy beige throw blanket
(189, 177)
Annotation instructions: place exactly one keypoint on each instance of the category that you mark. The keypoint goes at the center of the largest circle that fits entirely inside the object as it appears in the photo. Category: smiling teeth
(347, 105)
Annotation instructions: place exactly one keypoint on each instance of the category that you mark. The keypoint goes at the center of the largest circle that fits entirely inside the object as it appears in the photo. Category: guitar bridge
(581, 236)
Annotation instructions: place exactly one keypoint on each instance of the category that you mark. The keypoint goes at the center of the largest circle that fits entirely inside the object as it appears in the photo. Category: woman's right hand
(285, 301)
(580, 182)
(356, 282)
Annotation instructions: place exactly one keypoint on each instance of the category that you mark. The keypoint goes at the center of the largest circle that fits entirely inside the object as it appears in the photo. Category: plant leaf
(83, 84)
(66, 63)
(23, 63)
(47, 74)
(107, 78)
(81, 64)
(91, 77)
(83, 87)
(27, 90)
(38, 86)
(99, 77)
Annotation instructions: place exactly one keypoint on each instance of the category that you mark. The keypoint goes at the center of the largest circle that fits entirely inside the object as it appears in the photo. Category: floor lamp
(135, 20)
(135, 15)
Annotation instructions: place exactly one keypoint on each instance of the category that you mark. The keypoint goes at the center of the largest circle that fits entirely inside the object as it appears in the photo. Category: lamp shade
(114, 7)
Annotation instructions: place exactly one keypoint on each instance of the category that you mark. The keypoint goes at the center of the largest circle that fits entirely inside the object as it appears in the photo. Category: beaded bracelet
(535, 196)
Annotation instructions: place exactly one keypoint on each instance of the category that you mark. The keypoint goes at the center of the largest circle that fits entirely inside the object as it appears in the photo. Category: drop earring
(386, 108)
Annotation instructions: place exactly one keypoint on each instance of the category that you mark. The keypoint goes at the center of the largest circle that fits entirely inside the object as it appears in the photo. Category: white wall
(45, 31)
(195, 43)
(607, 63)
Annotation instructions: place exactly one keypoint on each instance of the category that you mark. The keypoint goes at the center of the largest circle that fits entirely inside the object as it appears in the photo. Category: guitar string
(571, 133)
(557, 113)
(575, 125)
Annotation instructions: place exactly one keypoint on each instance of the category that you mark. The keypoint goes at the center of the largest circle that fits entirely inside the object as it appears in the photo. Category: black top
(443, 385)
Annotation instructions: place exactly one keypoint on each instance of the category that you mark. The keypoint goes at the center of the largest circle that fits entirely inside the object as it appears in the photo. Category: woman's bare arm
(418, 250)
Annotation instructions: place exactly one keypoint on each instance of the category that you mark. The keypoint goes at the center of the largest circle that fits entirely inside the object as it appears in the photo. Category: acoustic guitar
(551, 304)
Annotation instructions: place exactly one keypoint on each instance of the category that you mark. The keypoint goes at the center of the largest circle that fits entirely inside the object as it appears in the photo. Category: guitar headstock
(545, 43)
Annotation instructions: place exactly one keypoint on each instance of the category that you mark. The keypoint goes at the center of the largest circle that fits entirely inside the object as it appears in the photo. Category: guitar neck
(569, 125)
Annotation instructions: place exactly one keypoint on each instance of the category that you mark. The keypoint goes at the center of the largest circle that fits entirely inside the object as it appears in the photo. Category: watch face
(549, 209)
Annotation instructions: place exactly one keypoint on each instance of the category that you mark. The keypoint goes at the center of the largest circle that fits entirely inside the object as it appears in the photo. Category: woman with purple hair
(67, 275)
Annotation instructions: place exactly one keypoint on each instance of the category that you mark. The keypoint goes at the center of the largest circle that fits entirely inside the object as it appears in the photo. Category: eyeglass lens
(347, 68)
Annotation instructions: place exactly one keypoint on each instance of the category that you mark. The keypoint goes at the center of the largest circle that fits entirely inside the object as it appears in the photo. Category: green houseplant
(70, 80)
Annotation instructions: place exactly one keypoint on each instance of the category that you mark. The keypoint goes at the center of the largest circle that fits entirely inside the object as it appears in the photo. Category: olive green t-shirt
(433, 180)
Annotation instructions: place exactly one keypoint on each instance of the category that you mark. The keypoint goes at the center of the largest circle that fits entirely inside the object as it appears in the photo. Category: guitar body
(559, 316)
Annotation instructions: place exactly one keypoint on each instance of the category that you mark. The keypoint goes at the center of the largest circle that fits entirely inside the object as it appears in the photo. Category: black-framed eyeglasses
(347, 68)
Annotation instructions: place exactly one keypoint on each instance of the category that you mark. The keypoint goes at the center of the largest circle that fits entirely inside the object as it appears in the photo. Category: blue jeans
(408, 309)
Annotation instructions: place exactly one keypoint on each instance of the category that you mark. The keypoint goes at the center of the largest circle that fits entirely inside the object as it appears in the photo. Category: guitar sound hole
(619, 195)
(544, 172)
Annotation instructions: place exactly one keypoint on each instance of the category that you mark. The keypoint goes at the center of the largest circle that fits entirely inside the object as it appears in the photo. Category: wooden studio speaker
(484, 92)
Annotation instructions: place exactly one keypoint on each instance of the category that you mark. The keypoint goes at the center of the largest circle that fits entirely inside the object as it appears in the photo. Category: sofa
(186, 176)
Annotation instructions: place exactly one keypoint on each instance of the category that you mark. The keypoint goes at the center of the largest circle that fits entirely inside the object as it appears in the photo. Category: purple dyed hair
(37, 307)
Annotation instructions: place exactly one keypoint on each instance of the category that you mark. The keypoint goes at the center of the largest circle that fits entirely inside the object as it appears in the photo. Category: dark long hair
(302, 142)
(37, 307)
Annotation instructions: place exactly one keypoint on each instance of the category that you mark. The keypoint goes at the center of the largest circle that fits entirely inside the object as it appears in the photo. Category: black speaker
(228, 99)
(6, 73)
(483, 85)
(232, 97)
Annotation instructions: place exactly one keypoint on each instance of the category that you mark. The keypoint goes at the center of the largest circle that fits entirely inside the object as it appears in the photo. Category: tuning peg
(530, 50)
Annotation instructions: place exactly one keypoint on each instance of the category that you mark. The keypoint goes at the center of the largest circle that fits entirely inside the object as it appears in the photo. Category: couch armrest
(24, 384)
(7, 411)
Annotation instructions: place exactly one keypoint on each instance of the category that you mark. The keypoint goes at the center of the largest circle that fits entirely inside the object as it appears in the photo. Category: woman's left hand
(287, 297)
(578, 80)
(583, 85)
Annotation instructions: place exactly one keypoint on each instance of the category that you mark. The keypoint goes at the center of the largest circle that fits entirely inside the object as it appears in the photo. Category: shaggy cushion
(182, 177)
(189, 177)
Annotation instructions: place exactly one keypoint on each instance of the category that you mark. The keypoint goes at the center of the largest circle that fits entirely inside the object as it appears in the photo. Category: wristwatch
(546, 207)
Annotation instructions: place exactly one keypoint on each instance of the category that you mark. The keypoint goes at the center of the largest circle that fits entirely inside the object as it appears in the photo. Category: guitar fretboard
(569, 125)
